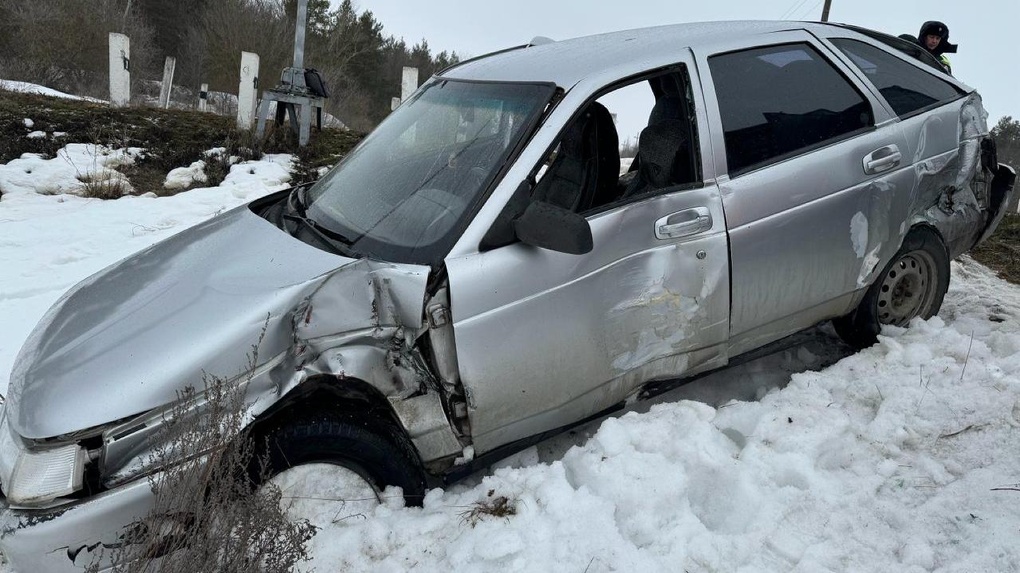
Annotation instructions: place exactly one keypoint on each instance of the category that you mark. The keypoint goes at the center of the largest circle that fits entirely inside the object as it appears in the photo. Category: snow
(65, 173)
(809, 459)
(28, 88)
(184, 177)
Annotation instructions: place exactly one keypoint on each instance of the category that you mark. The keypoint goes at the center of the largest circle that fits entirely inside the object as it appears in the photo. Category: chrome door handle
(882, 159)
(683, 223)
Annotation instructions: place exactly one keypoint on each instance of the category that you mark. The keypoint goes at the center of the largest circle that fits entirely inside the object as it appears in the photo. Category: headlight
(35, 478)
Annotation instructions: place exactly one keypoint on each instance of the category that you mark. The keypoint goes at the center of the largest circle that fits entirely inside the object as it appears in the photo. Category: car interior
(583, 172)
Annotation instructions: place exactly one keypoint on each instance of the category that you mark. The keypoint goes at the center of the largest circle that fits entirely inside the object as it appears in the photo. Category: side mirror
(550, 227)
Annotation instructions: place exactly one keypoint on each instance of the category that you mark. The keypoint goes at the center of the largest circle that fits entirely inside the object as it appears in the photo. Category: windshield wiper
(332, 239)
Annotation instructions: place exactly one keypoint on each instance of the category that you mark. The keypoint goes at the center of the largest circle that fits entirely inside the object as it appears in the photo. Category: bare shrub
(104, 186)
(206, 515)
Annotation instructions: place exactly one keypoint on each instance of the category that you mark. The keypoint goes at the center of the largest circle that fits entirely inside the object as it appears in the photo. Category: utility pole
(825, 10)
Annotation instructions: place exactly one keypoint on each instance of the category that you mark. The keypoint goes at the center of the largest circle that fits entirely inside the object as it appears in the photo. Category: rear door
(942, 130)
(811, 161)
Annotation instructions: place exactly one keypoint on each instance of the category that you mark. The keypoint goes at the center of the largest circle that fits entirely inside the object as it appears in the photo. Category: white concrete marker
(408, 83)
(247, 90)
(203, 98)
(168, 82)
(120, 73)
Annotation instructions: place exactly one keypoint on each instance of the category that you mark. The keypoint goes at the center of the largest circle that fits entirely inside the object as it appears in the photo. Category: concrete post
(247, 90)
(120, 72)
(168, 82)
(408, 83)
(299, 34)
(203, 98)
(394, 103)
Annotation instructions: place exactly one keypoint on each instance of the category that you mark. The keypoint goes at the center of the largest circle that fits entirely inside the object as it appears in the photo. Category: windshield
(404, 193)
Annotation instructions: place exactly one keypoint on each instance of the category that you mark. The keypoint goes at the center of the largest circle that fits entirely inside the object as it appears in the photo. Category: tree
(1007, 140)
(228, 27)
(63, 44)
(171, 22)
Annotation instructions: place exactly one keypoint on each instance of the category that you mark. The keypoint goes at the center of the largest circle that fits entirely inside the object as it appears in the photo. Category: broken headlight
(36, 477)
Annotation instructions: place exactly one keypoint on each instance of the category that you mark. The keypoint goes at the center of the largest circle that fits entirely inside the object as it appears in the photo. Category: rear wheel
(330, 467)
(912, 285)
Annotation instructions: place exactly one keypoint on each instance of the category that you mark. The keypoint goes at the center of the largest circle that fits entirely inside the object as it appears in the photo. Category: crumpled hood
(128, 338)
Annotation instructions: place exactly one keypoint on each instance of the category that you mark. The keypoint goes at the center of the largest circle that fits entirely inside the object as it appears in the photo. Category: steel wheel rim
(325, 494)
(908, 289)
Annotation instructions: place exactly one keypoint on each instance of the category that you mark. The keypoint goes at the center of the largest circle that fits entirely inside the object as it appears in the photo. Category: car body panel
(126, 339)
(820, 197)
(593, 328)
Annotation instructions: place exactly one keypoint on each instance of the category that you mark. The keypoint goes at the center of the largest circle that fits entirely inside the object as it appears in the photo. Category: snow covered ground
(897, 458)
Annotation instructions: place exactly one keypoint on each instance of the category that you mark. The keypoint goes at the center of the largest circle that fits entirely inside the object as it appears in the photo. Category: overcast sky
(989, 57)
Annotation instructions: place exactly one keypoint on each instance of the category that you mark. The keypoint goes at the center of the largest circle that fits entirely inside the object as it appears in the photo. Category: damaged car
(484, 269)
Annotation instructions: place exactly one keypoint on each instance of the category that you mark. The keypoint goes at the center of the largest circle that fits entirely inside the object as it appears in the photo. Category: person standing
(934, 37)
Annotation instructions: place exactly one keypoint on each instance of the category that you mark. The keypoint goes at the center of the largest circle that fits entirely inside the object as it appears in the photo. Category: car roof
(569, 61)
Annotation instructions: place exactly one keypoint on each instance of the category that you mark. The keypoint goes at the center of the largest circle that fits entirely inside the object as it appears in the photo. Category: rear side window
(907, 88)
(780, 101)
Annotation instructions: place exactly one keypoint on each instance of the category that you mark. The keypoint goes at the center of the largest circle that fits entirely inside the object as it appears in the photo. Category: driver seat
(586, 167)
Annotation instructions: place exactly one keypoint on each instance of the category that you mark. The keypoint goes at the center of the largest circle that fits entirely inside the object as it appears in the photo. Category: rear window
(905, 47)
(907, 88)
(780, 101)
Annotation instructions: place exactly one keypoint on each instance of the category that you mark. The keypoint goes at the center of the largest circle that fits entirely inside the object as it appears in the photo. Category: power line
(810, 10)
(793, 8)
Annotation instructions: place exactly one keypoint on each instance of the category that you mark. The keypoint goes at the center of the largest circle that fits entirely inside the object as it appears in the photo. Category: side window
(634, 140)
(778, 101)
(907, 88)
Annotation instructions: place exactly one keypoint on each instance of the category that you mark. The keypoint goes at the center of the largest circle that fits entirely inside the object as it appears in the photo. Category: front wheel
(333, 467)
(912, 285)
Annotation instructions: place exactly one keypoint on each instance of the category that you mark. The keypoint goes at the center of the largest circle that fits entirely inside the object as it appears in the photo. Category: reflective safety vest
(945, 64)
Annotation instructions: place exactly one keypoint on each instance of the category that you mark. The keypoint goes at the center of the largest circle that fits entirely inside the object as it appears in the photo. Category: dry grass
(494, 506)
(1001, 252)
(206, 515)
(104, 186)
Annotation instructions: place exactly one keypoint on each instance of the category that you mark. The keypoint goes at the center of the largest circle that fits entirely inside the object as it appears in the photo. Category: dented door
(546, 338)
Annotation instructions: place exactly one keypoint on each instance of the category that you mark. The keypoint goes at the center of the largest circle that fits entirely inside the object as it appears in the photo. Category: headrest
(660, 145)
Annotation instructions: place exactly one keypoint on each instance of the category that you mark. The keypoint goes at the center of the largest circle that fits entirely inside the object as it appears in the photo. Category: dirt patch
(1001, 252)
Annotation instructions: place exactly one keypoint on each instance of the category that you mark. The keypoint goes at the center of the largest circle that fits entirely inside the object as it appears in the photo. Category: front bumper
(72, 537)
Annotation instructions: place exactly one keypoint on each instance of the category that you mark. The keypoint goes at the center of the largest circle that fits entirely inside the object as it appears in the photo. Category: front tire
(321, 456)
(912, 285)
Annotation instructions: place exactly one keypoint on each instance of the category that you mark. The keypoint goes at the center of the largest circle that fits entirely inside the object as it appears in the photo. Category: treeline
(63, 44)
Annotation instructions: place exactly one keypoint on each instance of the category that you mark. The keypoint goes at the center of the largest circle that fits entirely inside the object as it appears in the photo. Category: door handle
(882, 159)
(683, 223)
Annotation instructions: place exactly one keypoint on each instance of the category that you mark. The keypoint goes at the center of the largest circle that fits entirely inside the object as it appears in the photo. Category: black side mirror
(550, 227)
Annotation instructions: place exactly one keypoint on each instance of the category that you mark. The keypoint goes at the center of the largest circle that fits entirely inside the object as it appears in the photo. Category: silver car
(484, 269)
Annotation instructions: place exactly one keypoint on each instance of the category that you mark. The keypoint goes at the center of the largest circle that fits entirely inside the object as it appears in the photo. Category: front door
(546, 338)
